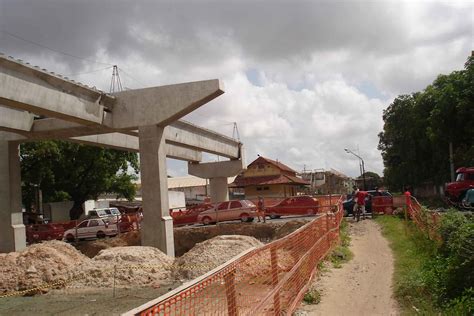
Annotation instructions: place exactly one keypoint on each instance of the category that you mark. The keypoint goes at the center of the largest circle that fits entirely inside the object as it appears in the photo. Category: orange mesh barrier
(425, 220)
(270, 280)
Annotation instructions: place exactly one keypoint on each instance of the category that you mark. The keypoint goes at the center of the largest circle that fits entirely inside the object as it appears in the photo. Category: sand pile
(136, 266)
(211, 253)
(47, 262)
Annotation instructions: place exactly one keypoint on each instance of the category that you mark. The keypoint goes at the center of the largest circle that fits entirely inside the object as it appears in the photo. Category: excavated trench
(186, 237)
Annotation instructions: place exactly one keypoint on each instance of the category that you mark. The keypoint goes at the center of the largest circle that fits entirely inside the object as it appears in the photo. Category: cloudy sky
(303, 79)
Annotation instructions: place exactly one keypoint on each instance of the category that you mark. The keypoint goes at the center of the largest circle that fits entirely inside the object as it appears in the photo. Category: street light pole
(363, 165)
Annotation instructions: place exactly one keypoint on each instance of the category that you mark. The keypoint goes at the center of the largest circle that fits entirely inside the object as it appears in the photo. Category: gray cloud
(326, 69)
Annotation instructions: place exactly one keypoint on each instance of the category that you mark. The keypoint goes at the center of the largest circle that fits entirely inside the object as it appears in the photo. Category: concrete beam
(130, 143)
(27, 89)
(179, 133)
(185, 134)
(218, 169)
(161, 105)
(11, 119)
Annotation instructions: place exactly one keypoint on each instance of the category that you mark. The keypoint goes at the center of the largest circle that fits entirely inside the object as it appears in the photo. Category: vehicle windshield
(101, 213)
(115, 211)
(460, 177)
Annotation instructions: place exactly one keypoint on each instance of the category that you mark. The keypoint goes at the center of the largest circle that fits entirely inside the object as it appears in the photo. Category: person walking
(261, 209)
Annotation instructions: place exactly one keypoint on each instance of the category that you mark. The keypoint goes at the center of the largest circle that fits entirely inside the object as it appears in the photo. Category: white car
(91, 228)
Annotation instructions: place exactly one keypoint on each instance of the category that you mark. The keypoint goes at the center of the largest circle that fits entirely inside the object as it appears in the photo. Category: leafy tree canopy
(69, 171)
(419, 128)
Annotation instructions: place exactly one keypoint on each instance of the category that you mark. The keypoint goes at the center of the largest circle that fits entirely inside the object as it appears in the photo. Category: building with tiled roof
(268, 178)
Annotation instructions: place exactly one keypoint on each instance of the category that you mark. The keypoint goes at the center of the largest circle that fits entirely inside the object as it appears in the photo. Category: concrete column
(157, 225)
(217, 173)
(12, 230)
(219, 189)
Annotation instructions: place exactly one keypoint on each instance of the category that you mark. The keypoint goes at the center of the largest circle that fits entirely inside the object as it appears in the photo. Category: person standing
(407, 197)
(360, 202)
(354, 194)
(261, 209)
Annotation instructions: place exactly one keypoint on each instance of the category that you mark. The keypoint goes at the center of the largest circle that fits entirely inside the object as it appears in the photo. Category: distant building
(328, 181)
(195, 189)
(269, 178)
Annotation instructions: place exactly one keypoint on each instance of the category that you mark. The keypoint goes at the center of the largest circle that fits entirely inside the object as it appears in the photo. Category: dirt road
(363, 286)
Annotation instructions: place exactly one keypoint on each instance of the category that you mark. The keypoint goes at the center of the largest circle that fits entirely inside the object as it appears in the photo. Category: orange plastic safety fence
(426, 221)
(270, 280)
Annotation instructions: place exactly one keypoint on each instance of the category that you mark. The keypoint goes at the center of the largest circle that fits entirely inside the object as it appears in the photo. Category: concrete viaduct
(36, 104)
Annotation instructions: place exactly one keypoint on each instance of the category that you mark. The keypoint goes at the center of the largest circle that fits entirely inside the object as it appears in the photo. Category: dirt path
(363, 286)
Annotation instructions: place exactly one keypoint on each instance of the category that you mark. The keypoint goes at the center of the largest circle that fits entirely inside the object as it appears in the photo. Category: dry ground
(363, 286)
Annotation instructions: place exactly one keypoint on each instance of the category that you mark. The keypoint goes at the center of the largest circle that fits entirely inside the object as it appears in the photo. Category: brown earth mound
(130, 266)
(92, 248)
(48, 262)
(211, 253)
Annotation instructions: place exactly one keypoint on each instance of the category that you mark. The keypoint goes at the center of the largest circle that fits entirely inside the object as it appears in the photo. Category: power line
(88, 72)
(128, 75)
(53, 50)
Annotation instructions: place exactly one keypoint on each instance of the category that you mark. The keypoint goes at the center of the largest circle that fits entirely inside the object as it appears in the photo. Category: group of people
(360, 197)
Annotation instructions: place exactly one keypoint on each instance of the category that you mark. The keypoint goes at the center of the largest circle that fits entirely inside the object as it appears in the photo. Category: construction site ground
(93, 292)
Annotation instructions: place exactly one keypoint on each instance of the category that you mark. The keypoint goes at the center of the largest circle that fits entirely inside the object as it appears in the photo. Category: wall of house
(276, 190)
(261, 170)
(193, 194)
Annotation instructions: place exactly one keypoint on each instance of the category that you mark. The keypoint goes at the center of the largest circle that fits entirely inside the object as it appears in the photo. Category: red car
(189, 215)
(39, 232)
(295, 205)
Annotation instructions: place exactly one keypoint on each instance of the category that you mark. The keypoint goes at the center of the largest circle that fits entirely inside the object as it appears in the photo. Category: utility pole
(361, 163)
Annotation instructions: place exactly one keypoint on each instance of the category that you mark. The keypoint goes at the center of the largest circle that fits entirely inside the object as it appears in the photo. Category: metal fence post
(229, 280)
(274, 263)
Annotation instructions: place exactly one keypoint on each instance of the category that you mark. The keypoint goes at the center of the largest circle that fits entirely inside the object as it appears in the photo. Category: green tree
(69, 171)
(419, 128)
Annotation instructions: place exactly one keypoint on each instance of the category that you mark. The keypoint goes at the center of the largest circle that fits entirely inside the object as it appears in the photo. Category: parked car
(378, 201)
(91, 228)
(244, 210)
(109, 213)
(189, 215)
(295, 205)
(40, 232)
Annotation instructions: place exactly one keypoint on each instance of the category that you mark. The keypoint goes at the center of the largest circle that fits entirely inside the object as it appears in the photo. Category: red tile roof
(240, 181)
(277, 164)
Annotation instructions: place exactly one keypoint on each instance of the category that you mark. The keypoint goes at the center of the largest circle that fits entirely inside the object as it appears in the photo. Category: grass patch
(412, 251)
(342, 253)
(313, 296)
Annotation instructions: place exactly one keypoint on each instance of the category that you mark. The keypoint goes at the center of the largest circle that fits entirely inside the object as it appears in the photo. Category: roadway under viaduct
(36, 104)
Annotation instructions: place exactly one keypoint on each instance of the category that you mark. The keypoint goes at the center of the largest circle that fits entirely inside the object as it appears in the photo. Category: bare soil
(363, 286)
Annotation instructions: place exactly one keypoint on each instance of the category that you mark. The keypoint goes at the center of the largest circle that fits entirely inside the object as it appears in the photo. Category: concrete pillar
(157, 225)
(217, 173)
(12, 230)
(219, 190)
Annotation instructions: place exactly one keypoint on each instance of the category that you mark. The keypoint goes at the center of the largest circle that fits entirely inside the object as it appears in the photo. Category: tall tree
(69, 171)
(419, 129)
